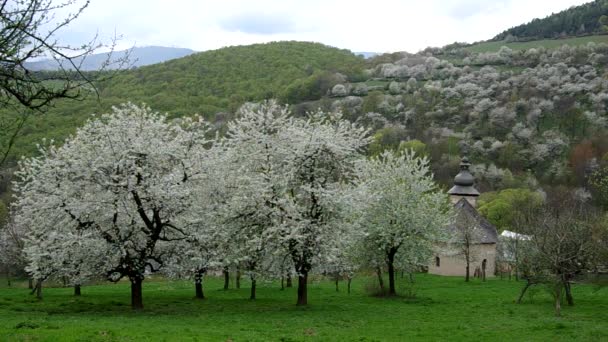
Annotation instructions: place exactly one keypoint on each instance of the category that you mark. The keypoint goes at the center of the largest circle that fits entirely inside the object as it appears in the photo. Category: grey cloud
(256, 23)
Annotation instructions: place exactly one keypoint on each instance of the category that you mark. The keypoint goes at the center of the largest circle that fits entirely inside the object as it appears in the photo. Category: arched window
(437, 261)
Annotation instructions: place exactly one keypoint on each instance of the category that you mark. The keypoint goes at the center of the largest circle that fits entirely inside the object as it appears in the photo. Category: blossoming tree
(122, 183)
(402, 211)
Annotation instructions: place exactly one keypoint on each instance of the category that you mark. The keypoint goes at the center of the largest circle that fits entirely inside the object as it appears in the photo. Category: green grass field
(443, 309)
(547, 43)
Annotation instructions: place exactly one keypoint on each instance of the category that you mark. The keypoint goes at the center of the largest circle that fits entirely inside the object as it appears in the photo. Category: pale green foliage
(415, 145)
(501, 207)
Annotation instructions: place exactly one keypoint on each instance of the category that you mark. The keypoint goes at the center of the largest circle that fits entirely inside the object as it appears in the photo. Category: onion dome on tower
(463, 184)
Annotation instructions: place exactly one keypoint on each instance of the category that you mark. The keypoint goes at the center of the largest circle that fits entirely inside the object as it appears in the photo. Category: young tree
(561, 245)
(403, 211)
(290, 177)
(464, 238)
(320, 155)
(11, 248)
(254, 188)
(125, 181)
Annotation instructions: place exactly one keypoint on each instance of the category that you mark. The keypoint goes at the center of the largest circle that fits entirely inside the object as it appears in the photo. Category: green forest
(586, 19)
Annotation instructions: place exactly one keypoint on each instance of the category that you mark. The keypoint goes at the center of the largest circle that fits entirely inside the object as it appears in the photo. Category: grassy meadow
(547, 43)
(444, 308)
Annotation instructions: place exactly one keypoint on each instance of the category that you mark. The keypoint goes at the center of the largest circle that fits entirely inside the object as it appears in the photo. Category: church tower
(463, 185)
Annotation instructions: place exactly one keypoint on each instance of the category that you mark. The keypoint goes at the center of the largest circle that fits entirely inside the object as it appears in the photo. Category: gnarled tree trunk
(77, 290)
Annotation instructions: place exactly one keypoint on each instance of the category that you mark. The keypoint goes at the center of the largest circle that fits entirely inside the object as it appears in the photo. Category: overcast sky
(364, 25)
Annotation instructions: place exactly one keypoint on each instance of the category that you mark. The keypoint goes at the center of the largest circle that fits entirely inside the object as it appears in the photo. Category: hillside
(524, 117)
(211, 83)
(585, 19)
(138, 56)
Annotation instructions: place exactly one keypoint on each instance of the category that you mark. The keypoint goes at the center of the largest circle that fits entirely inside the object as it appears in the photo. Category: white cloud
(381, 25)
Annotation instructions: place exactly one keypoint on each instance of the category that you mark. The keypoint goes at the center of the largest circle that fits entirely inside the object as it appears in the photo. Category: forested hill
(590, 18)
(212, 83)
(223, 79)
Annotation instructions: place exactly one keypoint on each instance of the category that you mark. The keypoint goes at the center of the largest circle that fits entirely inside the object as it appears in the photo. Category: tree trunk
(380, 280)
(348, 284)
(253, 283)
(466, 277)
(516, 260)
(238, 278)
(30, 284)
(523, 292)
(226, 279)
(391, 272)
(558, 299)
(337, 282)
(568, 289)
(137, 302)
(77, 290)
(38, 289)
(8, 276)
(198, 285)
(282, 283)
(303, 288)
(289, 283)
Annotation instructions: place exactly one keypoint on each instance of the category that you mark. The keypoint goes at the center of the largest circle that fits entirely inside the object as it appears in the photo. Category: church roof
(486, 233)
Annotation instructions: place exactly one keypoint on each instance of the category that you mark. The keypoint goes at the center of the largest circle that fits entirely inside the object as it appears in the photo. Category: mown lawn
(547, 43)
(443, 309)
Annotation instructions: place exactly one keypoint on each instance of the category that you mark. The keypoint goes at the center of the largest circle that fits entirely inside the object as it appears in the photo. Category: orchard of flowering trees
(132, 193)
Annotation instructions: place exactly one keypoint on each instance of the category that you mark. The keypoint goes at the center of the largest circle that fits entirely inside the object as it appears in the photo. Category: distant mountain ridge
(586, 19)
(139, 56)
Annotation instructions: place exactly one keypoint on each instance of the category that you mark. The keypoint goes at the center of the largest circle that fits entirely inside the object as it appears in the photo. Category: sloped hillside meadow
(444, 308)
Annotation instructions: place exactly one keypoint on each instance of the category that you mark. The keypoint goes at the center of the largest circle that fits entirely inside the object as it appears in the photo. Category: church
(449, 259)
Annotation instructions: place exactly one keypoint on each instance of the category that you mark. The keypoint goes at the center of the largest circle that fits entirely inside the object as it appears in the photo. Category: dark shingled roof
(487, 232)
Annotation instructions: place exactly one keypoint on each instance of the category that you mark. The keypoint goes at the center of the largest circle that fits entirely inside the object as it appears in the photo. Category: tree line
(132, 193)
